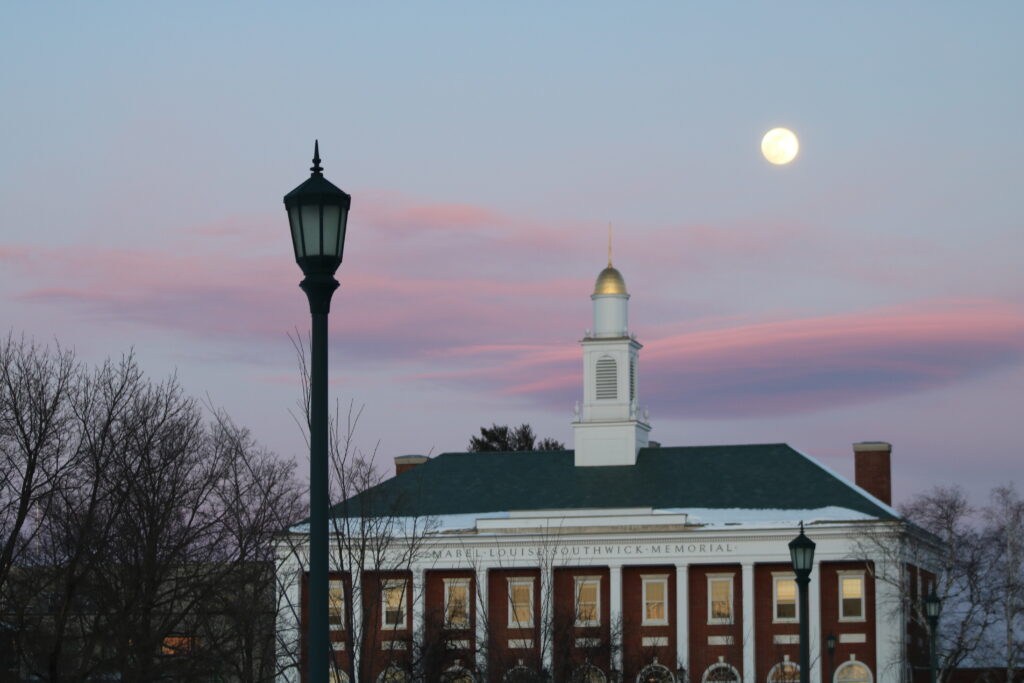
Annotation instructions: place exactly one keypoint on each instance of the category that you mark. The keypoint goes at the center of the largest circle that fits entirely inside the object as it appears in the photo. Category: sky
(870, 290)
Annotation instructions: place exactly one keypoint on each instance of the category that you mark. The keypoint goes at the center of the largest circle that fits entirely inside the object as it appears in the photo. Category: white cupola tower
(608, 429)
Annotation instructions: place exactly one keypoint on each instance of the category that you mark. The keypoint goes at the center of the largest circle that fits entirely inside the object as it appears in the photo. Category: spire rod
(315, 168)
(609, 244)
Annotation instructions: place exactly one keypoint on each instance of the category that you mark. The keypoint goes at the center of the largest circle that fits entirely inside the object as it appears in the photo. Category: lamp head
(318, 216)
(801, 552)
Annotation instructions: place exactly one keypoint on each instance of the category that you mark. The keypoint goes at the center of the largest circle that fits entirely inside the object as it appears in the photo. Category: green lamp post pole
(318, 216)
(932, 608)
(801, 552)
(830, 645)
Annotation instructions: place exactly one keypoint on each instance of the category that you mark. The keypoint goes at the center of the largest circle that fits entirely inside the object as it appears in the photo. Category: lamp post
(801, 552)
(318, 215)
(932, 608)
(830, 645)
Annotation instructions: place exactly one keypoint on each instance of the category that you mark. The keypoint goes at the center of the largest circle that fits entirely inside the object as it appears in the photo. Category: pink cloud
(485, 300)
(785, 367)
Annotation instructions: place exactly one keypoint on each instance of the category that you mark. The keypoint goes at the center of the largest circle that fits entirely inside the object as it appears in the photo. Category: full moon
(779, 146)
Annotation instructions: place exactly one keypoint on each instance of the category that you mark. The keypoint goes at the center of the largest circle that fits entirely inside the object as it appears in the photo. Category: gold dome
(610, 282)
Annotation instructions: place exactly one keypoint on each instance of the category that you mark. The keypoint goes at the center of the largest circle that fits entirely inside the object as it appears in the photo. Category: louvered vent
(632, 378)
(606, 384)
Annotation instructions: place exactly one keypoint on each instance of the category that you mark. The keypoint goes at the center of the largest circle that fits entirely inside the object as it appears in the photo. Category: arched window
(588, 673)
(784, 672)
(457, 674)
(521, 674)
(606, 378)
(655, 673)
(853, 672)
(393, 674)
(721, 672)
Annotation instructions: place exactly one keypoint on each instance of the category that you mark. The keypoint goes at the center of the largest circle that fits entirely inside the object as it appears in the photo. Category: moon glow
(780, 146)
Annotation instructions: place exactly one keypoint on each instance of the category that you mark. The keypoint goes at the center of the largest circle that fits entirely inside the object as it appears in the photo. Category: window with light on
(393, 598)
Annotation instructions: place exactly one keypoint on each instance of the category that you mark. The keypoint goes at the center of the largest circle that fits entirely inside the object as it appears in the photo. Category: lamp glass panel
(802, 556)
(293, 220)
(342, 227)
(311, 229)
(332, 218)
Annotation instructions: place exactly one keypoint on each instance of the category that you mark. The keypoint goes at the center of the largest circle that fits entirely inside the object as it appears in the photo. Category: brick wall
(384, 646)
(768, 651)
(847, 630)
(500, 656)
(707, 640)
(635, 653)
(574, 645)
(447, 646)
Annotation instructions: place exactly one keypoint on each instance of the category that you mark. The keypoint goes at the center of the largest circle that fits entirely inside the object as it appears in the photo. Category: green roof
(762, 476)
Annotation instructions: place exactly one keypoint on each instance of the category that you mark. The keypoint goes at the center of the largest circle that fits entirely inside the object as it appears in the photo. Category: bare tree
(1004, 534)
(148, 554)
(376, 541)
(936, 546)
(34, 412)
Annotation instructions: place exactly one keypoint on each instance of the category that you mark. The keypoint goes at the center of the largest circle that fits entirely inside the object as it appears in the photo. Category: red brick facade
(710, 639)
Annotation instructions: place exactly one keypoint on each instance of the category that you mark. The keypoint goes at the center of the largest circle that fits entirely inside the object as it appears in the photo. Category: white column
(547, 601)
(890, 622)
(814, 626)
(358, 637)
(749, 600)
(480, 647)
(289, 608)
(615, 612)
(418, 599)
(683, 615)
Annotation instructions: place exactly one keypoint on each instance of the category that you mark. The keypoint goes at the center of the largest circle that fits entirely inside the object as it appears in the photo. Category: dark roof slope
(762, 476)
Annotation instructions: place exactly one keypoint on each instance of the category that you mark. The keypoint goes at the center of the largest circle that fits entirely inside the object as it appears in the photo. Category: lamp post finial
(316, 169)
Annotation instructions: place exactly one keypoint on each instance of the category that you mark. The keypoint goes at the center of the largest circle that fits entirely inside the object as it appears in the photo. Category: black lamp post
(318, 215)
(801, 552)
(830, 645)
(932, 608)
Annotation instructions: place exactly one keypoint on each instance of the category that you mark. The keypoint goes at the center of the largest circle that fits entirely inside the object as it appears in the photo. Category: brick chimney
(404, 463)
(873, 472)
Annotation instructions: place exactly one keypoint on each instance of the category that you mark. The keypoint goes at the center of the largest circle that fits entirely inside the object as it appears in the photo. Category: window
(337, 676)
(456, 603)
(393, 674)
(520, 673)
(720, 598)
(520, 603)
(721, 672)
(393, 604)
(784, 597)
(607, 382)
(851, 596)
(588, 600)
(178, 645)
(853, 672)
(784, 672)
(655, 673)
(588, 673)
(457, 674)
(655, 600)
(336, 605)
